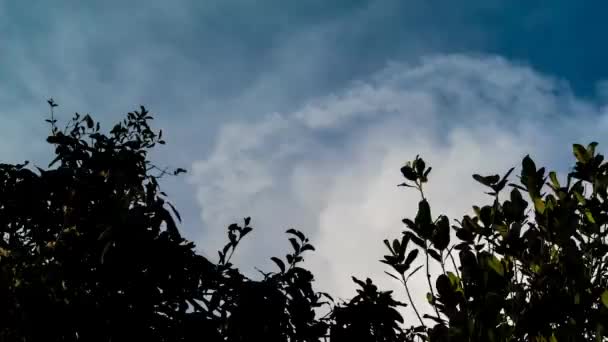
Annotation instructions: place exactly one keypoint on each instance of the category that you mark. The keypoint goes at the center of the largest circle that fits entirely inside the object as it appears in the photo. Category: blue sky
(300, 113)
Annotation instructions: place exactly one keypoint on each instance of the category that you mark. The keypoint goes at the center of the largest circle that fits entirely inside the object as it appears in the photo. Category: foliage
(529, 270)
(90, 250)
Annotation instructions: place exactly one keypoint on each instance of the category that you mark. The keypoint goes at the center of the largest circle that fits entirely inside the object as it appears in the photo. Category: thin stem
(232, 250)
(442, 263)
(426, 250)
(231, 253)
(420, 190)
(409, 296)
(428, 278)
(454, 263)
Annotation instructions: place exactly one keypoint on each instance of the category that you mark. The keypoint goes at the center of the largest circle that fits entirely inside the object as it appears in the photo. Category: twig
(409, 296)
(428, 278)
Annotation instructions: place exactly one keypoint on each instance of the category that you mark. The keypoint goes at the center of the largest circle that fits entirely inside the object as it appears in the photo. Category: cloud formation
(328, 162)
(198, 65)
(331, 167)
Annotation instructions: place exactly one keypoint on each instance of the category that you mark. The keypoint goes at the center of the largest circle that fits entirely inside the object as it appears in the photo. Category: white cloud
(194, 69)
(331, 168)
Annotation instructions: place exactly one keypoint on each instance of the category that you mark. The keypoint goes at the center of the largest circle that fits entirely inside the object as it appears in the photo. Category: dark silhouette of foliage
(90, 250)
(528, 270)
(370, 316)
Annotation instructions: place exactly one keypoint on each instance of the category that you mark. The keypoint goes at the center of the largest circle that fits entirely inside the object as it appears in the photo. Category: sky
(300, 113)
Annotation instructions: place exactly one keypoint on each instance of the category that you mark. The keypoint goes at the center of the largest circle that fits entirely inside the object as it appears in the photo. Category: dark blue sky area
(563, 38)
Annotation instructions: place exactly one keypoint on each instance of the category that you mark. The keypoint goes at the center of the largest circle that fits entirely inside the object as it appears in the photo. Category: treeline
(90, 250)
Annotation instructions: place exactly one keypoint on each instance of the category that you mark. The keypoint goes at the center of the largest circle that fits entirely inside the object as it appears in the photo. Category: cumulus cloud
(331, 167)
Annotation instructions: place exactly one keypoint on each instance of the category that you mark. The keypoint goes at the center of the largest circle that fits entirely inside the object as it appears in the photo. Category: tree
(90, 250)
(529, 270)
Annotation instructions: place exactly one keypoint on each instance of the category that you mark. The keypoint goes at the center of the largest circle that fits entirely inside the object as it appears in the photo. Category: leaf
(396, 246)
(232, 238)
(105, 234)
(434, 254)
(591, 148)
(54, 160)
(409, 173)
(389, 260)
(411, 256)
(444, 286)
(295, 244)
(170, 223)
(480, 246)
(441, 235)
(405, 240)
(178, 171)
(105, 250)
(605, 298)
(426, 173)
(433, 318)
(554, 180)
(307, 247)
(517, 186)
(528, 166)
(589, 216)
(462, 246)
(279, 263)
(539, 205)
(388, 245)
(580, 198)
(506, 176)
(175, 212)
(409, 223)
(423, 217)
(496, 265)
(89, 121)
(500, 185)
(454, 280)
(358, 282)
(245, 231)
(580, 153)
(415, 239)
(414, 272)
(226, 248)
(297, 233)
(487, 180)
(420, 166)
(486, 215)
(391, 275)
